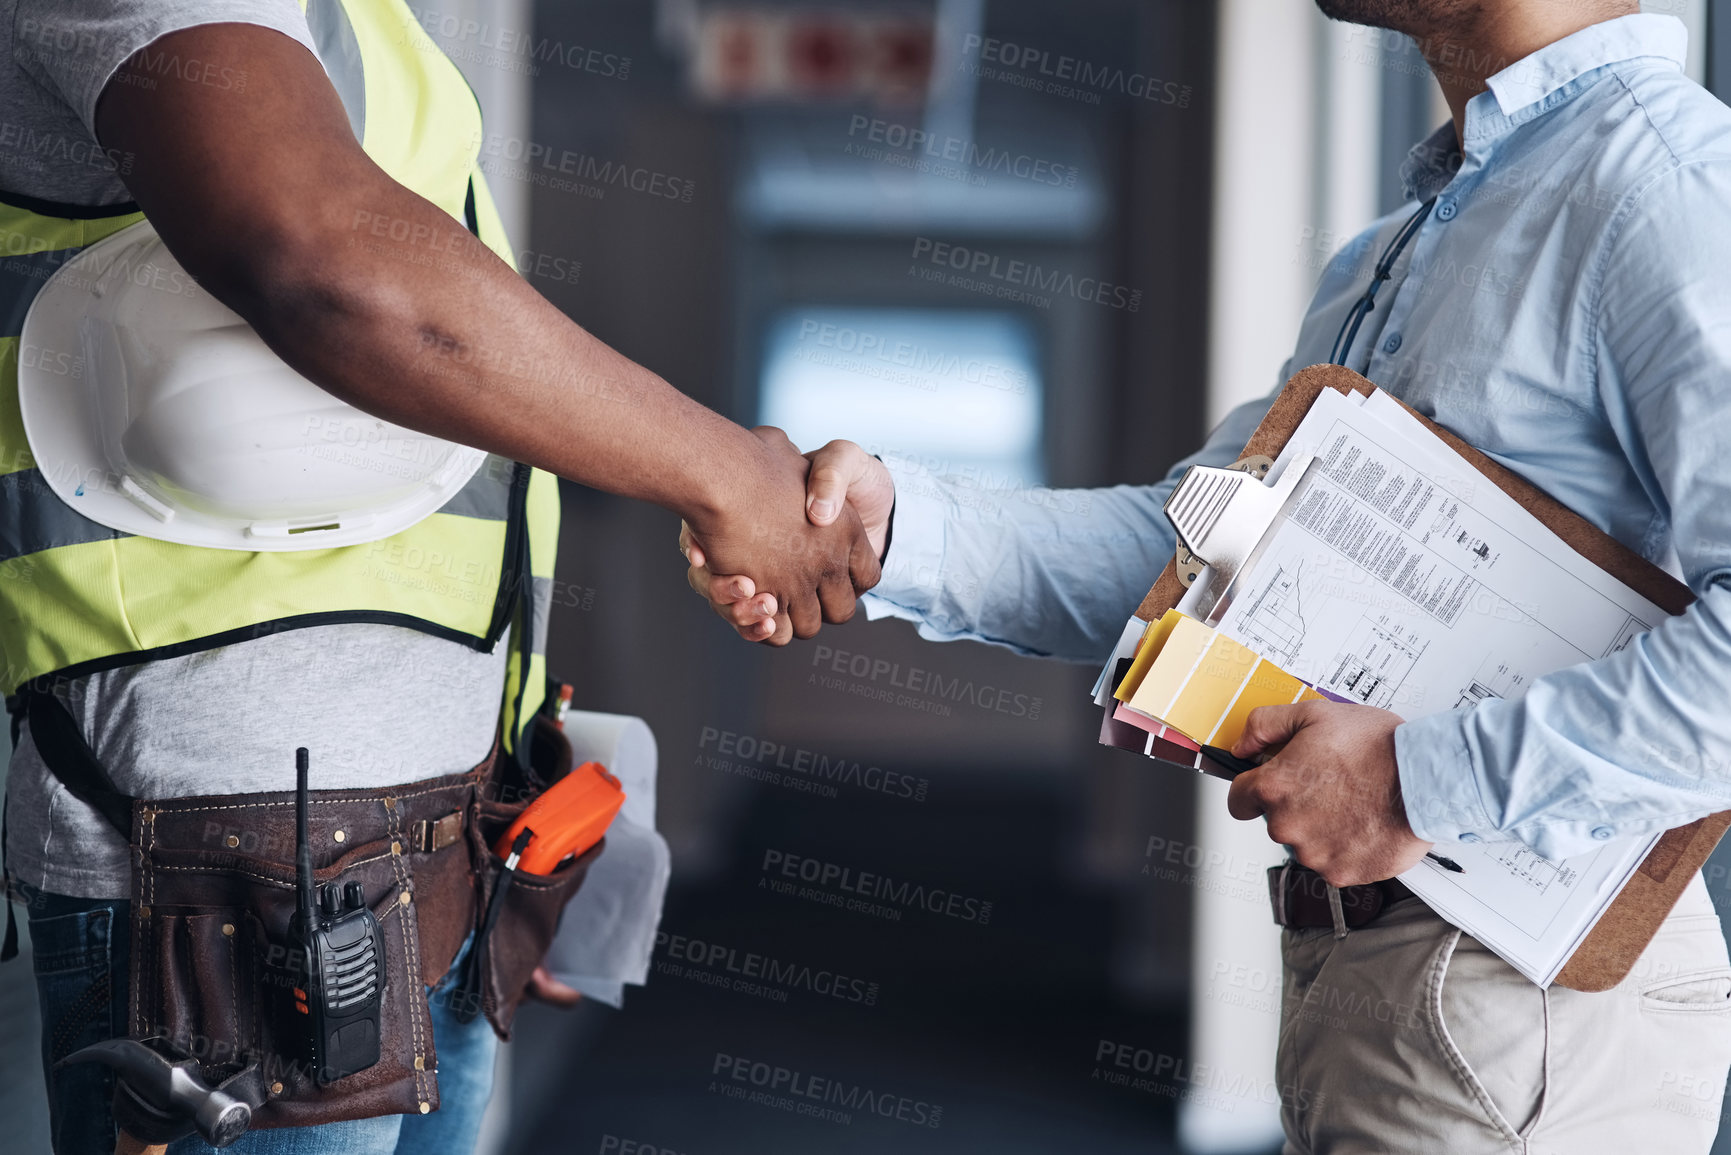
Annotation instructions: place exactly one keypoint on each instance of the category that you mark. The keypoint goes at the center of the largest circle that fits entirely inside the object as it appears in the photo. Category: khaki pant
(1409, 1038)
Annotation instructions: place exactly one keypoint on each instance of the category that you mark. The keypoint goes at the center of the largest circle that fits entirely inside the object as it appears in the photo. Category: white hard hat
(153, 408)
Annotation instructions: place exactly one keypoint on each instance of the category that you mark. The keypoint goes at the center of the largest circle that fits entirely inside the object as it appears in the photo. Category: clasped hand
(800, 574)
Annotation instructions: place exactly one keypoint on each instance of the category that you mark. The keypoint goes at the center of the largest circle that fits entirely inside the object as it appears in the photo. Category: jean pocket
(81, 984)
(75, 963)
(1702, 992)
(67, 943)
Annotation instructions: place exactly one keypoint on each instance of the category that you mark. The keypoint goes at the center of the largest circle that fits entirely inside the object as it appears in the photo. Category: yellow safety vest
(76, 596)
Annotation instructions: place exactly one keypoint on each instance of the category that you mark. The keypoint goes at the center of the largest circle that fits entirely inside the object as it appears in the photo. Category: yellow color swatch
(1185, 644)
(1211, 688)
(1268, 685)
(1153, 640)
(1203, 684)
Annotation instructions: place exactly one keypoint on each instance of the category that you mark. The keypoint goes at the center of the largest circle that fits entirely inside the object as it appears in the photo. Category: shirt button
(1446, 211)
(1469, 836)
(1392, 345)
(1604, 832)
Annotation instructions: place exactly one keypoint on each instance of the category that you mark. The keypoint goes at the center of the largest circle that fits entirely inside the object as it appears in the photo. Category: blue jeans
(80, 948)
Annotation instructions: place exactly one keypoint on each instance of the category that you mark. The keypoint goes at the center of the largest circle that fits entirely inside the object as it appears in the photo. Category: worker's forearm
(385, 300)
(432, 331)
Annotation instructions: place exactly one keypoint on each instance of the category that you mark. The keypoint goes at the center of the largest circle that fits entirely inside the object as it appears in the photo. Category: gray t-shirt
(376, 705)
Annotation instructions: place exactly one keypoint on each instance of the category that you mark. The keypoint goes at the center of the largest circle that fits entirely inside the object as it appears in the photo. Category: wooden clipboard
(1610, 949)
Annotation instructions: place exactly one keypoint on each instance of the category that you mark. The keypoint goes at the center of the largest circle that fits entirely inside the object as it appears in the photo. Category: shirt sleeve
(1045, 572)
(72, 47)
(1640, 741)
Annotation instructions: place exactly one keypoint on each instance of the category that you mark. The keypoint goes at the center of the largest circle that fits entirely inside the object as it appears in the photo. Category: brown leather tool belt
(1299, 896)
(213, 890)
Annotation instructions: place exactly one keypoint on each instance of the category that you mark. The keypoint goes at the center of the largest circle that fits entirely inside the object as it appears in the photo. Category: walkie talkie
(341, 950)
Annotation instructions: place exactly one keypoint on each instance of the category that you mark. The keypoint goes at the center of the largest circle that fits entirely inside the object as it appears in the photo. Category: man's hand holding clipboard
(1331, 791)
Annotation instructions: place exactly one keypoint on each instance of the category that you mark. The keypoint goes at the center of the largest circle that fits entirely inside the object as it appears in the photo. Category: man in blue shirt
(1566, 307)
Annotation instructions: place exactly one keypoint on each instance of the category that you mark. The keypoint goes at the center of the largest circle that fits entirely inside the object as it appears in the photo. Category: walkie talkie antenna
(303, 845)
(335, 965)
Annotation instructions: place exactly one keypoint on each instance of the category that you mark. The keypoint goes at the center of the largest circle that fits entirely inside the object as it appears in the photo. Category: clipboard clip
(1221, 514)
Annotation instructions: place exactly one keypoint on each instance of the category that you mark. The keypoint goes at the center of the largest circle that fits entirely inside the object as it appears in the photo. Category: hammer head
(159, 1099)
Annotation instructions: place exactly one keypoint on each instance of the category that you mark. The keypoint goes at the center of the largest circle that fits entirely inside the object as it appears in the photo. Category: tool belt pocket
(530, 904)
(211, 972)
(209, 1007)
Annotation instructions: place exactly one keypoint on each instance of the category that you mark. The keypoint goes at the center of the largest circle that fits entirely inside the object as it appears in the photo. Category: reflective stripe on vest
(76, 596)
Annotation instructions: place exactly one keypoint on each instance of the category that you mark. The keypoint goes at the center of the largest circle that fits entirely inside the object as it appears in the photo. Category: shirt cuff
(913, 568)
(1439, 783)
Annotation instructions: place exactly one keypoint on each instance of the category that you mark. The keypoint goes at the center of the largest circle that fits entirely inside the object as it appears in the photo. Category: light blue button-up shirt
(1566, 307)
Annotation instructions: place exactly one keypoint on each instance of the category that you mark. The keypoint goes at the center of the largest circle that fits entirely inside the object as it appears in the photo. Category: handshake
(772, 586)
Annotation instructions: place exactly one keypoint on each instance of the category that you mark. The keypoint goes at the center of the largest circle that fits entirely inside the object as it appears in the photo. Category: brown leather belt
(1299, 896)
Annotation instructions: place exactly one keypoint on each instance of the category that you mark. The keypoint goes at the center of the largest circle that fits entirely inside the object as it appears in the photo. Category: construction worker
(1561, 305)
(310, 167)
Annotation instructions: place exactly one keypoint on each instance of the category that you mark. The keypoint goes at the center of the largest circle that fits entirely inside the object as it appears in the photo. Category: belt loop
(1280, 894)
(1336, 911)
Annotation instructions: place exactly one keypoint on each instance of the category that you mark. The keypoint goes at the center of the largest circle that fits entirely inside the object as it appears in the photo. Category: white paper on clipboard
(1402, 578)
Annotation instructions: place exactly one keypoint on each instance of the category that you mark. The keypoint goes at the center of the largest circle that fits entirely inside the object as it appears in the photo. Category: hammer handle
(127, 1145)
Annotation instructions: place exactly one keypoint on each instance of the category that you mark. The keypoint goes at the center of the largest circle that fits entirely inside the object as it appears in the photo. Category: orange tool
(570, 816)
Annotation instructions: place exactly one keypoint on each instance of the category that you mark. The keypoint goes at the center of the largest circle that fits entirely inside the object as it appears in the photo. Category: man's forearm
(381, 297)
(1632, 744)
(469, 351)
(1045, 572)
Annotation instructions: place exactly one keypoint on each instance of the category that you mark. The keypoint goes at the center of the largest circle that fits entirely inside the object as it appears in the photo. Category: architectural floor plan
(1398, 578)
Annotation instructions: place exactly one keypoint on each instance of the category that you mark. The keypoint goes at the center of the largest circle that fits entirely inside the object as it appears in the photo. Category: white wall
(1296, 157)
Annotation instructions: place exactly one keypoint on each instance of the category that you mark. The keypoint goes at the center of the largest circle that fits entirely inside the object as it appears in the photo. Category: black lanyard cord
(1384, 271)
